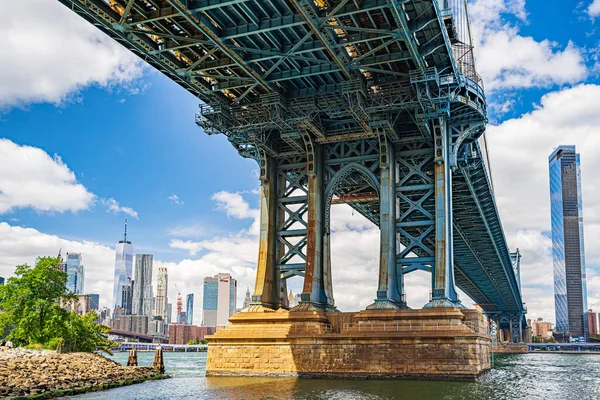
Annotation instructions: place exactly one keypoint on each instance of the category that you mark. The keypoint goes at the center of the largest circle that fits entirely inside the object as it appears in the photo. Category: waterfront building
(570, 292)
(131, 323)
(158, 327)
(169, 312)
(540, 328)
(75, 275)
(162, 283)
(247, 299)
(126, 297)
(141, 300)
(182, 334)
(220, 296)
(123, 268)
(189, 308)
(592, 322)
(95, 301)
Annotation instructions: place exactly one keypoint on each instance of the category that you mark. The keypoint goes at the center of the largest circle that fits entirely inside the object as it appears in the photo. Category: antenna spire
(125, 237)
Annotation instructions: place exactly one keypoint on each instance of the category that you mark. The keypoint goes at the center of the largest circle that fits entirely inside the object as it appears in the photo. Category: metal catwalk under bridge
(373, 103)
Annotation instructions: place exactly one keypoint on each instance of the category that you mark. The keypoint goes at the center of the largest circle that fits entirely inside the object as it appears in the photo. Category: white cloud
(48, 53)
(29, 177)
(507, 60)
(114, 207)
(175, 199)
(20, 245)
(519, 150)
(234, 205)
(594, 9)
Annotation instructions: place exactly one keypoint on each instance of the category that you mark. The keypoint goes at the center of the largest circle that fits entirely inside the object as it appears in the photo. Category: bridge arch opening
(351, 236)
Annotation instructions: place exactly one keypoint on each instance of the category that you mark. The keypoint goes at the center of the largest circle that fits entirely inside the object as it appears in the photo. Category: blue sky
(127, 134)
(140, 150)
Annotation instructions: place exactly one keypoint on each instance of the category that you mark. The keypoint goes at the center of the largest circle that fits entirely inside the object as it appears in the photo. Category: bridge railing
(418, 326)
(421, 326)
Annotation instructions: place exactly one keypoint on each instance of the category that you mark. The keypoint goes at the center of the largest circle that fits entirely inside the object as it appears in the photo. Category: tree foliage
(31, 310)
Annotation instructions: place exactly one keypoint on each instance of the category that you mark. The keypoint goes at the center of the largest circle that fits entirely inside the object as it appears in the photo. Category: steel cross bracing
(373, 103)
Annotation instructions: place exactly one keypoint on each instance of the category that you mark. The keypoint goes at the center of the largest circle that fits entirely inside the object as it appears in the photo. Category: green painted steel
(374, 102)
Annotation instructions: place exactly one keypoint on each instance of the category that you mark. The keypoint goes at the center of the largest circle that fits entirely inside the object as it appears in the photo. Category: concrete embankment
(45, 374)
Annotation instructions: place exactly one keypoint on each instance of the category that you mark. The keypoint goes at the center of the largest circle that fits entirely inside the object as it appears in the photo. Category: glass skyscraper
(219, 299)
(123, 268)
(570, 291)
(74, 269)
(189, 308)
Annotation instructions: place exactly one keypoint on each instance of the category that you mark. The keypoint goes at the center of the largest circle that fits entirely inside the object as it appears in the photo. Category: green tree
(31, 310)
(30, 302)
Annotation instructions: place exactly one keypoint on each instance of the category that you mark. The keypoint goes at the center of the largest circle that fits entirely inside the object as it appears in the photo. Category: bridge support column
(266, 288)
(390, 285)
(317, 292)
(444, 292)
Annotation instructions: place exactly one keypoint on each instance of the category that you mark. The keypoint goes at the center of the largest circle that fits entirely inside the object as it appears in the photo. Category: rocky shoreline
(33, 374)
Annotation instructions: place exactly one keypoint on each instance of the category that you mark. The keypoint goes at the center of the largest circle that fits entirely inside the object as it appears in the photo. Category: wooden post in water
(132, 359)
(159, 364)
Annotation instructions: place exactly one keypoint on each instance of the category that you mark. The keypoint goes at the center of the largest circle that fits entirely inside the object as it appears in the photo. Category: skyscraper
(141, 301)
(182, 318)
(123, 268)
(189, 308)
(95, 302)
(570, 292)
(169, 312)
(248, 299)
(126, 295)
(220, 296)
(75, 273)
(162, 284)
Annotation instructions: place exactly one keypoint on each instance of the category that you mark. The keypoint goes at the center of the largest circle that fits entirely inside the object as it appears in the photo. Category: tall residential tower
(162, 283)
(141, 301)
(123, 268)
(570, 292)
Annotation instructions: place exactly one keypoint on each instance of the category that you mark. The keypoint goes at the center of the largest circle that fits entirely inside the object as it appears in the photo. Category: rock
(26, 373)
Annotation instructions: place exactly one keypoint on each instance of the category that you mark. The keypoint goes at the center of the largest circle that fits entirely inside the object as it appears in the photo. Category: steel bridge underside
(269, 71)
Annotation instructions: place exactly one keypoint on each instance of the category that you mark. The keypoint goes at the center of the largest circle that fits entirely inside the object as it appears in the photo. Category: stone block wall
(266, 347)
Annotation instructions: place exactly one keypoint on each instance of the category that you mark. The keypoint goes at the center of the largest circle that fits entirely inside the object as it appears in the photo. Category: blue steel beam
(210, 47)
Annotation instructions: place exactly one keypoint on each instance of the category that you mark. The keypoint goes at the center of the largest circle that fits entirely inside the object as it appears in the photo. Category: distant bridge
(164, 346)
(141, 337)
(595, 347)
(372, 103)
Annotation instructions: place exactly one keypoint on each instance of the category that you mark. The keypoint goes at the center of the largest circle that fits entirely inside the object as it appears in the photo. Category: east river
(522, 376)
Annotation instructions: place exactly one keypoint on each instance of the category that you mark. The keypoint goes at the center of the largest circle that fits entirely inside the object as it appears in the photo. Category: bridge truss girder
(372, 102)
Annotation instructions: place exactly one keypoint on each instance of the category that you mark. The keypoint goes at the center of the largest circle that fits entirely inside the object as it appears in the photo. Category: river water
(515, 376)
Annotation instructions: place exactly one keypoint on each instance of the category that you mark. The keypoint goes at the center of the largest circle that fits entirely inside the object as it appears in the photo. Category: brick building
(183, 333)
(131, 323)
(592, 322)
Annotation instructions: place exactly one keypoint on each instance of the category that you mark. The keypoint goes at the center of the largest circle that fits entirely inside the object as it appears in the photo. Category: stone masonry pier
(437, 344)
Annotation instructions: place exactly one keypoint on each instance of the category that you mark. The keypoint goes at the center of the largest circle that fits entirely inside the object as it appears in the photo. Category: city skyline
(209, 227)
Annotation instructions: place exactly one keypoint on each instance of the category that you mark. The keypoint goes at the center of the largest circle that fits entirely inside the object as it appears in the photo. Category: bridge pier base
(432, 344)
